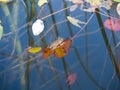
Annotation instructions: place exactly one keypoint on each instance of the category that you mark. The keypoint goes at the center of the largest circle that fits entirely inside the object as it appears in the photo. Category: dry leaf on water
(74, 21)
(34, 49)
(5, 1)
(59, 52)
(71, 79)
(59, 48)
(42, 2)
(47, 52)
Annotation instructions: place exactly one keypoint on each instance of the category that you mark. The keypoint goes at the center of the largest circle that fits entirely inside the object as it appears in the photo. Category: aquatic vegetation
(116, 0)
(47, 44)
(112, 24)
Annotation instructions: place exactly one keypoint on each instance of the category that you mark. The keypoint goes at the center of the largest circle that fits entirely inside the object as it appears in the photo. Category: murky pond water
(59, 45)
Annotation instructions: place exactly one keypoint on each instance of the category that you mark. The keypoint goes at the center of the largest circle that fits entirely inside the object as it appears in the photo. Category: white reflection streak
(117, 44)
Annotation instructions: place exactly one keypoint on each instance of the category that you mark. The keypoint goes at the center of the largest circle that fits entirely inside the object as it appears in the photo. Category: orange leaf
(63, 49)
(67, 44)
(59, 48)
(47, 52)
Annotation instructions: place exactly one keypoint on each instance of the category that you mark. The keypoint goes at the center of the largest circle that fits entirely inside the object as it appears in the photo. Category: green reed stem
(27, 74)
(86, 42)
(78, 56)
(66, 71)
(53, 18)
(54, 74)
(18, 43)
(86, 70)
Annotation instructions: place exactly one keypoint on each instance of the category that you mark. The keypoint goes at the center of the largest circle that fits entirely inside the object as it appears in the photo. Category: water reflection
(92, 55)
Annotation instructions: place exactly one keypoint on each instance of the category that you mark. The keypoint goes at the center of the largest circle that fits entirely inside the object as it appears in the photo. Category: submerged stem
(107, 43)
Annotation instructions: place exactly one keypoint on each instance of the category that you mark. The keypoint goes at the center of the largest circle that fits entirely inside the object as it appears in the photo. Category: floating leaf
(1, 30)
(106, 4)
(71, 79)
(59, 48)
(112, 24)
(56, 43)
(74, 21)
(42, 2)
(67, 44)
(47, 52)
(37, 27)
(63, 48)
(116, 0)
(34, 50)
(5, 1)
(59, 52)
(94, 3)
(118, 8)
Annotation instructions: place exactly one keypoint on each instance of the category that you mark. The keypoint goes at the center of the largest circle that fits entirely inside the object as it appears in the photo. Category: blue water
(88, 56)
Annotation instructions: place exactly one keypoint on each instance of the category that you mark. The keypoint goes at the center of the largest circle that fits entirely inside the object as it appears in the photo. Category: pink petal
(112, 24)
(71, 79)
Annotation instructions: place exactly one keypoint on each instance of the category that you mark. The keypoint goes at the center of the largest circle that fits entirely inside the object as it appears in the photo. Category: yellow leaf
(5, 1)
(59, 52)
(34, 50)
(94, 3)
(42, 2)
